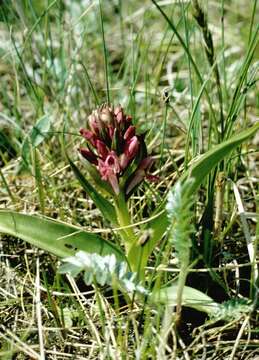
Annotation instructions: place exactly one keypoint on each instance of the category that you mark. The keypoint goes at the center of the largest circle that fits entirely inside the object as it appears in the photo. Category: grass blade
(190, 57)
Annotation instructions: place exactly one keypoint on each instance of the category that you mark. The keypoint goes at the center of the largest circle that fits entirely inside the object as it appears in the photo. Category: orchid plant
(118, 162)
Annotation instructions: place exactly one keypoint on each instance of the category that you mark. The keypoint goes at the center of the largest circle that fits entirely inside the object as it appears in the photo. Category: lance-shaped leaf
(207, 162)
(198, 172)
(191, 297)
(55, 237)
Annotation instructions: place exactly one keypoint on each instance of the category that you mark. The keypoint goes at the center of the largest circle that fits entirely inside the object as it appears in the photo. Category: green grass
(188, 76)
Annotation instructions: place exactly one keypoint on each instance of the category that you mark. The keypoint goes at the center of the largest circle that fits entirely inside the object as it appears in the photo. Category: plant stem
(181, 283)
(134, 251)
(220, 188)
(124, 221)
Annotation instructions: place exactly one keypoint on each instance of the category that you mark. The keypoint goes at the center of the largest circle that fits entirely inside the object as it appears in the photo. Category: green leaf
(37, 135)
(198, 172)
(206, 162)
(40, 131)
(191, 297)
(55, 237)
(106, 208)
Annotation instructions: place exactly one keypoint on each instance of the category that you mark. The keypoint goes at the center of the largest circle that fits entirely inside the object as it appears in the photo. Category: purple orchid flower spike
(115, 149)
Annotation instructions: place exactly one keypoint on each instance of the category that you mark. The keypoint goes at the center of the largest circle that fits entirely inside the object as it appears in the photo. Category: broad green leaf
(55, 237)
(191, 297)
(106, 208)
(198, 171)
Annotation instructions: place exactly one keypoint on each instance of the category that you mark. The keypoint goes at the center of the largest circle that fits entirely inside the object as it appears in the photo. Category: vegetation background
(187, 73)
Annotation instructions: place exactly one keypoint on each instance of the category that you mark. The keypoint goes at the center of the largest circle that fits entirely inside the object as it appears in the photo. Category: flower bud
(94, 123)
(117, 110)
(130, 132)
(88, 135)
(111, 131)
(101, 149)
(124, 160)
(106, 115)
(120, 118)
(89, 155)
(131, 147)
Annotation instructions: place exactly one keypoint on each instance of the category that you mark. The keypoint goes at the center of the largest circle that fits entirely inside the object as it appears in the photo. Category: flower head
(115, 149)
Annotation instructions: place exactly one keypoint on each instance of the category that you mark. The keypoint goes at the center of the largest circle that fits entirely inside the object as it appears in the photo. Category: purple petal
(94, 124)
(102, 169)
(88, 155)
(130, 132)
(139, 176)
(132, 147)
(101, 149)
(88, 135)
(108, 173)
(112, 162)
(124, 160)
(111, 131)
(120, 117)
